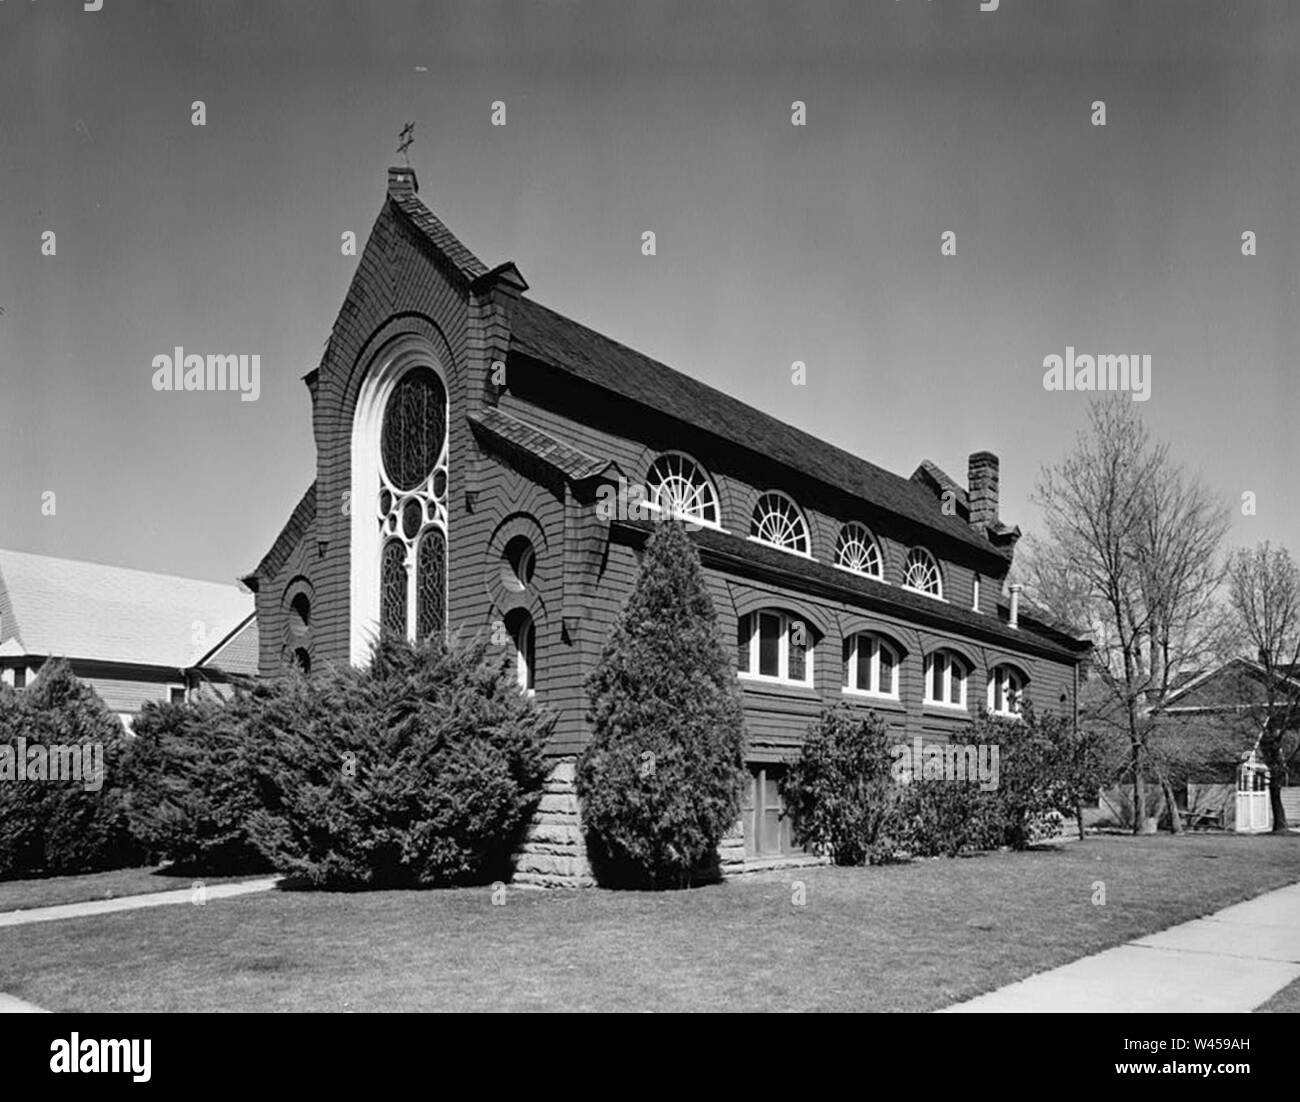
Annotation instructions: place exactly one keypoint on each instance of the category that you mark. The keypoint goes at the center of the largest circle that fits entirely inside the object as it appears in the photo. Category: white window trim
(927, 697)
(407, 352)
(859, 574)
(524, 671)
(783, 653)
(975, 594)
(937, 570)
(798, 512)
(851, 671)
(1008, 674)
(684, 518)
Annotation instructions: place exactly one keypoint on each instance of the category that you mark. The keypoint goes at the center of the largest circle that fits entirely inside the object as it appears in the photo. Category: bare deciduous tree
(1132, 554)
(1264, 588)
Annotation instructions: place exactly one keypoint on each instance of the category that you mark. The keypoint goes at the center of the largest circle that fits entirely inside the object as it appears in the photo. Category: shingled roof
(402, 186)
(53, 607)
(565, 458)
(564, 344)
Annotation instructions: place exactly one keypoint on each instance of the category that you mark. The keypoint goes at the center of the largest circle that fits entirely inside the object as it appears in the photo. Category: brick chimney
(402, 182)
(982, 490)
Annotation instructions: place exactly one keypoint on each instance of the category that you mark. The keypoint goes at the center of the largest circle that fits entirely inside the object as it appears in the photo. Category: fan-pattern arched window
(1006, 691)
(921, 573)
(412, 506)
(870, 666)
(777, 521)
(677, 486)
(855, 550)
(945, 679)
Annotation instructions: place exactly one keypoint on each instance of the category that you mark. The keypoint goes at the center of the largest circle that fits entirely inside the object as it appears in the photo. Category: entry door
(767, 829)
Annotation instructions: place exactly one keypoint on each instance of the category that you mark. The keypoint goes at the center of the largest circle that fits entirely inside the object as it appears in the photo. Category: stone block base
(554, 852)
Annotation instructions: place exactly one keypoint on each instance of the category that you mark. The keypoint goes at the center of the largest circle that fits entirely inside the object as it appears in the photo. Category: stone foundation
(554, 852)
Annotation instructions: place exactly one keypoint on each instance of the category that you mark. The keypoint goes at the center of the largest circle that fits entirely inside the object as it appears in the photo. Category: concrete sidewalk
(1231, 961)
(133, 902)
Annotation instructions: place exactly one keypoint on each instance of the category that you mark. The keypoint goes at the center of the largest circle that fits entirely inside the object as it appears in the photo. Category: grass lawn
(23, 895)
(1286, 1001)
(914, 937)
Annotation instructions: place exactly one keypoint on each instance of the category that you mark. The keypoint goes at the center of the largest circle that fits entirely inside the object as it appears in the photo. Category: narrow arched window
(430, 594)
(676, 485)
(1006, 691)
(412, 506)
(945, 679)
(777, 521)
(776, 646)
(393, 588)
(921, 573)
(870, 666)
(526, 654)
(855, 550)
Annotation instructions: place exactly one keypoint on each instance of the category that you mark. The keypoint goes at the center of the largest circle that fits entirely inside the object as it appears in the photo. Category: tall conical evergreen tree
(660, 782)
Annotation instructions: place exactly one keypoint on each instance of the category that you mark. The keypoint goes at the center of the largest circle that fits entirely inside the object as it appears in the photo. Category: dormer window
(677, 487)
(855, 550)
(778, 522)
(921, 573)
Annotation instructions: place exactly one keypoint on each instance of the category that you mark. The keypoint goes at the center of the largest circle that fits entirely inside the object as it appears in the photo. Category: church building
(465, 437)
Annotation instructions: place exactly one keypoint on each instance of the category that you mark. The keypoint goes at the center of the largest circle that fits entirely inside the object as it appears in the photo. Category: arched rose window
(412, 506)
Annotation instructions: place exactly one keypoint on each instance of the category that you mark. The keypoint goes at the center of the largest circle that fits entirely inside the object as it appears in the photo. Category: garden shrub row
(857, 795)
(420, 770)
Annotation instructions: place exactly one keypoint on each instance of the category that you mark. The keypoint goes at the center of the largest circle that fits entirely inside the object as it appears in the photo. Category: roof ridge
(912, 493)
(123, 569)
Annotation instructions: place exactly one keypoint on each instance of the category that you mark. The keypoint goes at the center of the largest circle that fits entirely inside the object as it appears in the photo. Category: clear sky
(775, 243)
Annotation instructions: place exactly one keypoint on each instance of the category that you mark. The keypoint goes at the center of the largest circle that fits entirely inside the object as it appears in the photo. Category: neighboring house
(132, 635)
(466, 438)
(1224, 708)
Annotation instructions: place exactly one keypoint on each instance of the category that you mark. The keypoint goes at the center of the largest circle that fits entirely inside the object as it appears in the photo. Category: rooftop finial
(405, 140)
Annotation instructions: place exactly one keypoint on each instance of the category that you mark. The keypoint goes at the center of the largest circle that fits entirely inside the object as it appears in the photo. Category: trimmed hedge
(420, 770)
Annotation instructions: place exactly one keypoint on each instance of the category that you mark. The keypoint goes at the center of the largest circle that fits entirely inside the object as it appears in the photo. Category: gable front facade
(480, 466)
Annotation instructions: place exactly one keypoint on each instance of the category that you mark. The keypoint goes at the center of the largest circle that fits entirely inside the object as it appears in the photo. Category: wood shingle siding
(576, 412)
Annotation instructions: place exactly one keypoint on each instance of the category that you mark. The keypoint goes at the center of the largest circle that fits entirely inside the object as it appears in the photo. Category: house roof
(236, 653)
(941, 480)
(565, 458)
(551, 338)
(1198, 691)
(73, 609)
(401, 189)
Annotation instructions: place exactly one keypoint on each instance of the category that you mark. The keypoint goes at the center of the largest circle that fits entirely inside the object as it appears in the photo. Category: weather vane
(405, 140)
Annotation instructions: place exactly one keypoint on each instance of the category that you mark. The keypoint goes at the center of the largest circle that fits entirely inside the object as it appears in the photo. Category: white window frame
(526, 671)
(799, 517)
(950, 659)
(875, 644)
(783, 650)
(403, 354)
(856, 530)
(1009, 677)
(975, 595)
(907, 571)
(686, 461)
